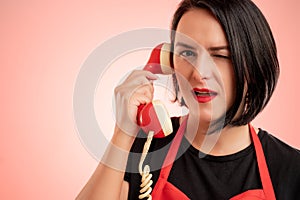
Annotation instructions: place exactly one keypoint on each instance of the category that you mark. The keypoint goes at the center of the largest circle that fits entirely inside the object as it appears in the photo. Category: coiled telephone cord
(146, 188)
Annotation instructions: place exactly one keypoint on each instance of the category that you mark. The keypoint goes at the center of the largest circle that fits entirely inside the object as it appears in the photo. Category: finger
(150, 75)
(141, 77)
(146, 89)
(139, 99)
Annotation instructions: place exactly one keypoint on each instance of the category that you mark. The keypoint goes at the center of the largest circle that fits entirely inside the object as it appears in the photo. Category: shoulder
(275, 147)
(283, 162)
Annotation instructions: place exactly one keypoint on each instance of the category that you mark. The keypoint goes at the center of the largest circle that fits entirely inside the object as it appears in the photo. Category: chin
(206, 115)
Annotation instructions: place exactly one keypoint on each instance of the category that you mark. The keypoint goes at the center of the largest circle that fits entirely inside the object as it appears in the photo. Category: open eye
(187, 53)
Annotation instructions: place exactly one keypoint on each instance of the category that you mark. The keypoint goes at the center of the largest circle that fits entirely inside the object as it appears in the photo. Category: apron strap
(262, 166)
(169, 160)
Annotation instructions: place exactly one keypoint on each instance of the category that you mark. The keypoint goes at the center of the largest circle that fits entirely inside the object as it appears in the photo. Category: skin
(107, 182)
(207, 41)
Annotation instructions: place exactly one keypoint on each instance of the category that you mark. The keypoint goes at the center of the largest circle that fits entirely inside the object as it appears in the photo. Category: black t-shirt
(218, 177)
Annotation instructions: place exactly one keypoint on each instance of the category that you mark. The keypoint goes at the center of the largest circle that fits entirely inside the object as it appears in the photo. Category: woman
(235, 161)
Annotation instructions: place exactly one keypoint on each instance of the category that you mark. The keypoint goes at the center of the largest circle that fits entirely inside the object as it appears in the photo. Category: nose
(197, 76)
(204, 67)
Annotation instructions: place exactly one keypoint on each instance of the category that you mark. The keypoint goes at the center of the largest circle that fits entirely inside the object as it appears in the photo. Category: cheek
(182, 67)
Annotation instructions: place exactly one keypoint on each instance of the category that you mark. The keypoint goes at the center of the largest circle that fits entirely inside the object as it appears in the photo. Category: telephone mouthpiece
(154, 117)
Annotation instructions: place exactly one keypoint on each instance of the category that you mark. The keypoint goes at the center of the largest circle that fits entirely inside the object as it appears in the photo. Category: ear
(159, 61)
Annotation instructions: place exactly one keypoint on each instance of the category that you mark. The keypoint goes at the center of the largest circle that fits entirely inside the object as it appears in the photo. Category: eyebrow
(219, 48)
(184, 45)
(216, 48)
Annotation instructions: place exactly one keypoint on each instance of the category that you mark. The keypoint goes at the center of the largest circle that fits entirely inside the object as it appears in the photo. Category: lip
(205, 97)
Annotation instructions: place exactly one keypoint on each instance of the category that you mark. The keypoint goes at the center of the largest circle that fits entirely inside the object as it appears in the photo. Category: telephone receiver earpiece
(154, 116)
(159, 61)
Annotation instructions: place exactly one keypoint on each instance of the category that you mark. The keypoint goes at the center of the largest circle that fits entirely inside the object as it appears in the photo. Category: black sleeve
(284, 167)
(289, 185)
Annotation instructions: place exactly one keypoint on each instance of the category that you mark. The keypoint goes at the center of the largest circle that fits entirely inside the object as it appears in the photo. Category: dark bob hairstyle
(253, 53)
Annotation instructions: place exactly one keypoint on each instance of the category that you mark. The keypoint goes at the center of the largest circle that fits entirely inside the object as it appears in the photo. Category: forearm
(106, 182)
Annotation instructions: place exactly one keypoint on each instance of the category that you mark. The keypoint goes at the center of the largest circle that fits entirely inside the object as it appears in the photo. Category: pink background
(43, 45)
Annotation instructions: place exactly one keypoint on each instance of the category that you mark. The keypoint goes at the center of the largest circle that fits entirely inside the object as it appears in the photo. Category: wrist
(122, 139)
(118, 150)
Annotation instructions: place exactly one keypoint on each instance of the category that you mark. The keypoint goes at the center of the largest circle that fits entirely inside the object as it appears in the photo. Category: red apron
(165, 190)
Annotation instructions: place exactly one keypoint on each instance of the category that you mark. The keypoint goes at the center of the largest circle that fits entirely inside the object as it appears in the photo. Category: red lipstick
(204, 95)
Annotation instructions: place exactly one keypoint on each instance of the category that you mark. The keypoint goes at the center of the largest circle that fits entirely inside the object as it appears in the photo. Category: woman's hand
(137, 89)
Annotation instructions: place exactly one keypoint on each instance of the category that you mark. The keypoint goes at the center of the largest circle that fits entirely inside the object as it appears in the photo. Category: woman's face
(202, 65)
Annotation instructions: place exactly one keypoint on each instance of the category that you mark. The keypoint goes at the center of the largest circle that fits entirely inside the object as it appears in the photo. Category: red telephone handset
(154, 115)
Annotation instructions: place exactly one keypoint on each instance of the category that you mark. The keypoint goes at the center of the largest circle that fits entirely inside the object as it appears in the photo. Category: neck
(225, 142)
